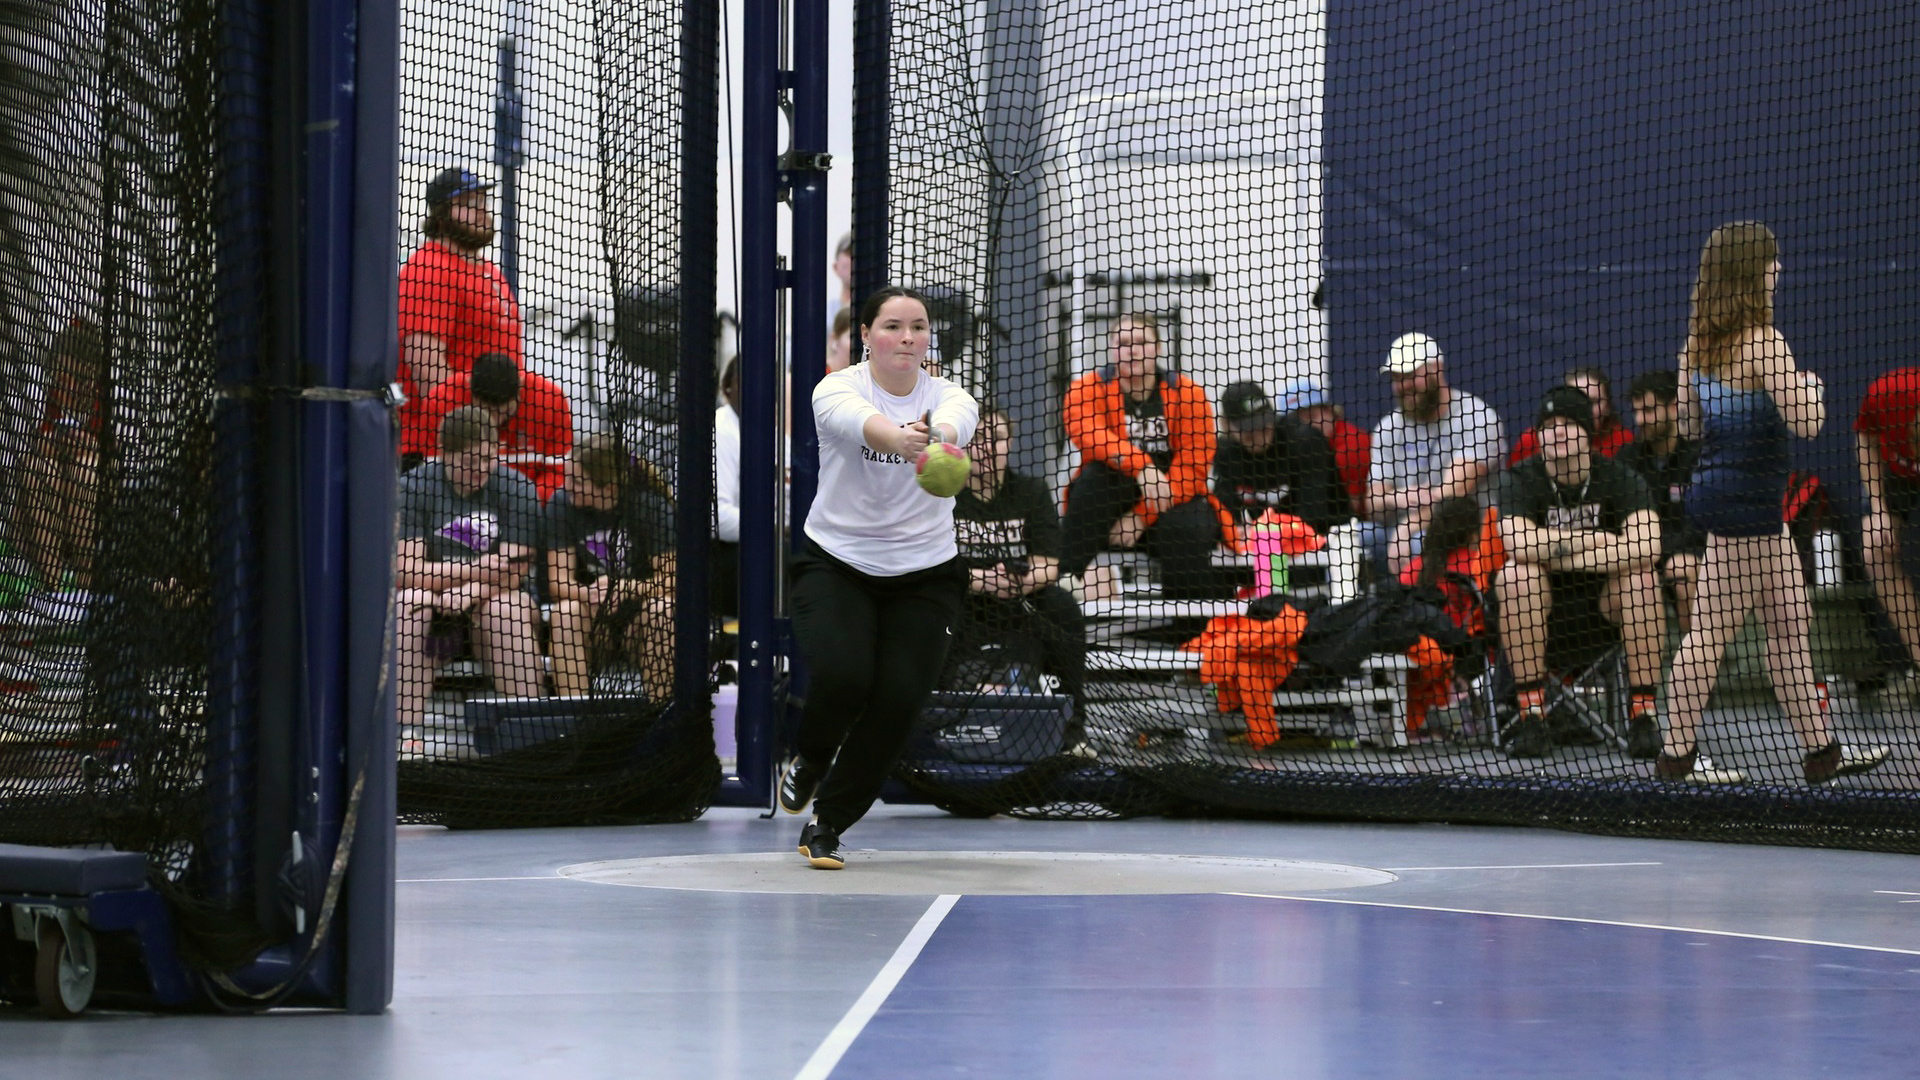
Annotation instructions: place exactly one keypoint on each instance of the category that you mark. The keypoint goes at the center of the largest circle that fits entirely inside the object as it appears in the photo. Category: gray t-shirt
(461, 528)
(1410, 454)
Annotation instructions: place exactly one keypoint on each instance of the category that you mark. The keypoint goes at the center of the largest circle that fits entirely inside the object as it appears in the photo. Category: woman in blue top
(1742, 397)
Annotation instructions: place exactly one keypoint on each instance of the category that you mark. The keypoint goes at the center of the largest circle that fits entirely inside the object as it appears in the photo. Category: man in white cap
(1439, 442)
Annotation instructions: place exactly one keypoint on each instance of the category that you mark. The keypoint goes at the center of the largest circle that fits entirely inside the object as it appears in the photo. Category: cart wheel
(65, 972)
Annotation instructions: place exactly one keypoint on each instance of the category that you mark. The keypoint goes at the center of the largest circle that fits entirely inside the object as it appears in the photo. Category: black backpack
(1388, 618)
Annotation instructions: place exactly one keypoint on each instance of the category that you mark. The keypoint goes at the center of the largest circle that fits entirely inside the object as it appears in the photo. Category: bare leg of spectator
(1683, 572)
(35, 529)
(413, 666)
(1891, 584)
(78, 496)
(1632, 603)
(1524, 603)
(650, 646)
(567, 623)
(503, 637)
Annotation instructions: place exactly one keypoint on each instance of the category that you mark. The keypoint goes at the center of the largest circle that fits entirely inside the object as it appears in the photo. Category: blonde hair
(1730, 296)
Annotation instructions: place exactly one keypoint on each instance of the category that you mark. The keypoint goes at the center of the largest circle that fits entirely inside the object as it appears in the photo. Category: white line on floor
(837, 1042)
(430, 880)
(1592, 922)
(1521, 866)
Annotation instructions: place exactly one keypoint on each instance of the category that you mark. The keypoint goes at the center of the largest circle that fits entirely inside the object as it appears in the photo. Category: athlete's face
(897, 339)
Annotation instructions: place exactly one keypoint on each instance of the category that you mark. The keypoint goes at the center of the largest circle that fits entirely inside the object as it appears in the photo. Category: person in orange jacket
(1146, 442)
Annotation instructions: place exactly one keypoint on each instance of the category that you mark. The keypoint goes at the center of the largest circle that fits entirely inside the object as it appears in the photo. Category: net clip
(805, 161)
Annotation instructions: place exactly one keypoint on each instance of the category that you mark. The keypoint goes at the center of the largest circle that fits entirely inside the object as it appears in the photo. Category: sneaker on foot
(798, 785)
(1528, 737)
(1643, 738)
(1842, 759)
(821, 846)
(1696, 767)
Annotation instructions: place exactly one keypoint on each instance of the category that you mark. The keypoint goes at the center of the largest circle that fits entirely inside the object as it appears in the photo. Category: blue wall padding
(1531, 184)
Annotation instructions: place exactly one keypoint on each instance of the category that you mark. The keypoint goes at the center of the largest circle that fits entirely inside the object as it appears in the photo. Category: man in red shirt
(1887, 440)
(1609, 435)
(454, 304)
(531, 411)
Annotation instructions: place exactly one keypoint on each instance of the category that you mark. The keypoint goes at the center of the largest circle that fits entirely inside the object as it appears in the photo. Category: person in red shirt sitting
(1887, 441)
(454, 305)
(1352, 446)
(1609, 435)
(535, 421)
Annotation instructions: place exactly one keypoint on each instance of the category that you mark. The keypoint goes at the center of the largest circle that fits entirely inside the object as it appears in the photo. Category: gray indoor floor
(607, 952)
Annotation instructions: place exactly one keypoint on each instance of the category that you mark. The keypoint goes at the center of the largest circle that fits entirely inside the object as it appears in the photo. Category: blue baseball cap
(1297, 394)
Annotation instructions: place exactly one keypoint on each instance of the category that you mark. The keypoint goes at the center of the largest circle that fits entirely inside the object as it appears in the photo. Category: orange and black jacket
(1097, 423)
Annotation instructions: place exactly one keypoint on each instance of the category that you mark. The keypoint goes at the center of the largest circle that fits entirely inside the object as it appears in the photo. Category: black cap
(1245, 405)
(452, 183)
(1569, 402)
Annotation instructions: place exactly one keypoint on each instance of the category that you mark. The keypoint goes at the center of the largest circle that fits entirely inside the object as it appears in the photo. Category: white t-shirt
(1411, 453)
(726, 474)
(870, 513)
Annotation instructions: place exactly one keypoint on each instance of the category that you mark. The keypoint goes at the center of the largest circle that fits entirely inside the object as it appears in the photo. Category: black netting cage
(1483, 413)
(544, 288)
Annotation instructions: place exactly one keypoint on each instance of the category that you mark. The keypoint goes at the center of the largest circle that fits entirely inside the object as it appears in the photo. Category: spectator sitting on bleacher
(57, 487)
(1146, 443)
(1664, 458)
(607, 569)
(530, 410)
(1439, 442)
(468, 530)
(1009, 537)
(1583, 539)
(840, 341)
(1352, 446)
(1609, 435)
(1269, 461)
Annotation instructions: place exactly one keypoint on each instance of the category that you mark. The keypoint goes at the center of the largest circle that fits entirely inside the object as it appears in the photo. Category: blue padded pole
(699, 286)
(872, 40)
(367, 913)
(761, 381)
(806, 178)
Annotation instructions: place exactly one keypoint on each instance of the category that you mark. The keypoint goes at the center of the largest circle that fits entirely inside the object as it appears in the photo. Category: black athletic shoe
(1841, 759)
(1528, 737)
(798, 785)
(821, 846)
(1643, 738)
